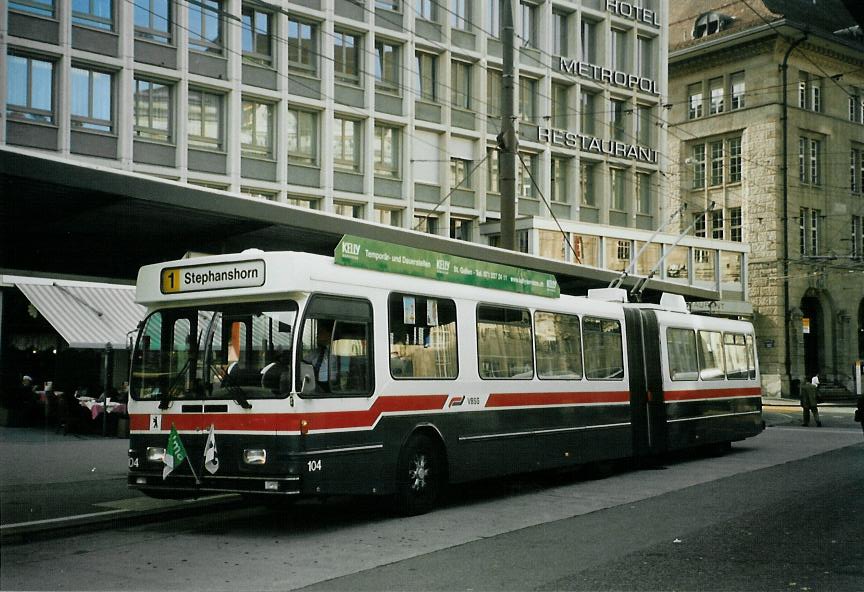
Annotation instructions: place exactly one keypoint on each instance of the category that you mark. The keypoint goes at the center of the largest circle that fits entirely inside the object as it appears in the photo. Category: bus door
(648, 410)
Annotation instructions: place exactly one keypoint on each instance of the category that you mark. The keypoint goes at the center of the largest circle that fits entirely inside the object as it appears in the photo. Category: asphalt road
(782, 511)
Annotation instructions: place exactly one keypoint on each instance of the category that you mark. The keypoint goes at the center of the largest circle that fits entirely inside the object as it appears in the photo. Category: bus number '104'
(314, 465)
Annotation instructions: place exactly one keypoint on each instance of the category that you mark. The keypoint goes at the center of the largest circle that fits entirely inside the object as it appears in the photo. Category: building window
(618, 181)
(460, 84)
(427, 65)
(204, 119)
(256, 131)
(717, 224)
(205, 26)
(618, 120)
(347, 140)
(587, 102)
(528, 25)
(30, 88)
(38, 7)
(302, 43)
(528, 99)
(349, 210)
(257, 34)
(525, 173)
(386, 147)
(809, 161)
(694, 101)
(153, 20)
(644, 125)
(260, 193)
(460, 14)
(560, 102)
(735, 160)
(715, 96)
(622, 250)
(620, 47)
(426, 223)
(699, 225)
(460, 229)
(392, 5)
(559, 33)
(645, 57)
(856, 105)
(303, 202)
(91, 100)
(558, 179)
(388, 217)
(735, 225)
(737, 91)
(698, 166)
(460, 169)
(346, 56)
(856, 170)
(387, 66)
(427, 10)
(857, 236)
(589, 40)
(152, 103)
(717, 163)
(809, 92)
(301, 136)
(493, 93)
(644, 203)
(802, 231)
(98, 14)
(587, 184)
(493, 14)
(709, 23)
(815, 232)
(492, 171)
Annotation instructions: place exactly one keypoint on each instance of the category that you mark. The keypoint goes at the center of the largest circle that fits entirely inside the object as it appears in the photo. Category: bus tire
(419, 477)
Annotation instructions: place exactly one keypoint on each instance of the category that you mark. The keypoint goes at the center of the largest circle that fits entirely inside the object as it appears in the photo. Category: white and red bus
(389, 370)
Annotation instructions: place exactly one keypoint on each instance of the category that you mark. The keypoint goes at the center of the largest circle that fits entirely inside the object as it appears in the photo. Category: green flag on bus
(175, 452)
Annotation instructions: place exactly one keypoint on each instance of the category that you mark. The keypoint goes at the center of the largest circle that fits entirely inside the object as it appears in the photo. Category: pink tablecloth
(96, 409)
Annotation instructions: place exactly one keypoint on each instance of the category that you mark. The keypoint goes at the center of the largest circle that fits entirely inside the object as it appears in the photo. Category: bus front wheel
(420, 476)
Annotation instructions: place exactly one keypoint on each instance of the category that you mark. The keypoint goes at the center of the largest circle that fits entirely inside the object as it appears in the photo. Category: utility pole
(508, 144)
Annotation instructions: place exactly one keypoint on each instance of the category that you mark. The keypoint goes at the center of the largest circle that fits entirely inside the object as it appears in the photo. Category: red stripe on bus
(567, 398)
(291, 421)
(717, 393)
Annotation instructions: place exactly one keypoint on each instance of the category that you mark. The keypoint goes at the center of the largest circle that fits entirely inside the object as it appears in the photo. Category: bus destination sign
(220, 276)
(376, 255)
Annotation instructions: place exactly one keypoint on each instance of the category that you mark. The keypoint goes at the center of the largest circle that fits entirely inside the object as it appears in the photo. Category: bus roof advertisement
(199, 278)
(365, 253)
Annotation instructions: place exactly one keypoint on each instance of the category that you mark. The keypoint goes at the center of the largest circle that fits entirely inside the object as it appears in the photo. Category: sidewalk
(50, 481)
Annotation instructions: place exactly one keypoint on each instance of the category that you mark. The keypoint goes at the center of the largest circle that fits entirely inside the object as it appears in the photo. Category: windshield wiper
(165, 398)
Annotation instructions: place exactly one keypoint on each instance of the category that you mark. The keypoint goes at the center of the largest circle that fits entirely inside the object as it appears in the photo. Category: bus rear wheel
(419, 476)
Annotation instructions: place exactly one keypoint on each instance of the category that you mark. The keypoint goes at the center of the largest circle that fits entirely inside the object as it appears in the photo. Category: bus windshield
(231, 351)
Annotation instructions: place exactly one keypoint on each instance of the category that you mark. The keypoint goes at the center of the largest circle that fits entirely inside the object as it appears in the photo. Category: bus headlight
(254, 456)
(155, 454)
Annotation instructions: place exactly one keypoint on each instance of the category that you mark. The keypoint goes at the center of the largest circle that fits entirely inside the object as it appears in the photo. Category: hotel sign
(634, 12)
(613, 77)
(585, 143)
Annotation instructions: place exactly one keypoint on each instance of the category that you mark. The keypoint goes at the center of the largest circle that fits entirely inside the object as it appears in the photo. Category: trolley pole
(108, 372)
(508, 144)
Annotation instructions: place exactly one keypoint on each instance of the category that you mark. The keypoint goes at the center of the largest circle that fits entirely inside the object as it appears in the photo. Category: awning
(87, 316)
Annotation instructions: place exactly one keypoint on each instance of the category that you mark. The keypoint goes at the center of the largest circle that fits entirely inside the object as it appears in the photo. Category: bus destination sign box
(376, 255)
(220, 276)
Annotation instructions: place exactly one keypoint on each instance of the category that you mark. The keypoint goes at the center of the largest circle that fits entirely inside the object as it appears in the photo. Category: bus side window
(504, 348)
(735, 349)
(751, 357)
(711, 356)
(681, 349)
(604, 349)
(336, 347)
(422, 337)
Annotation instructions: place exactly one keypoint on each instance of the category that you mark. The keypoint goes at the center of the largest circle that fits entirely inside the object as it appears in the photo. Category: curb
(24, 532)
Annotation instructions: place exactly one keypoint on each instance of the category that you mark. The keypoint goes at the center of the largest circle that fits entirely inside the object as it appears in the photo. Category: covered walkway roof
(73, 220)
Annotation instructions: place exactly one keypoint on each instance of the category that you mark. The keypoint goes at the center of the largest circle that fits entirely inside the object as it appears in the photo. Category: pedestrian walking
(859, 412)
(809, 393)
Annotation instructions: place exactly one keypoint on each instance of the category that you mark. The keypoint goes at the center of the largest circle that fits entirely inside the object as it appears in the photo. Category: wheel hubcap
(418, 473)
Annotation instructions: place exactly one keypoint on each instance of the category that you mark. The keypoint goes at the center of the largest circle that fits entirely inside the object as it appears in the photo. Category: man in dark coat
(808, 401)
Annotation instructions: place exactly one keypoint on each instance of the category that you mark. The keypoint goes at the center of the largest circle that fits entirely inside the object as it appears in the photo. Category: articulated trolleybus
(391, 370)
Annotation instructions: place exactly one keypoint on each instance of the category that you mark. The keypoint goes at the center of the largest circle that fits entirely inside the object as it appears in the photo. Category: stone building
(766, 120)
